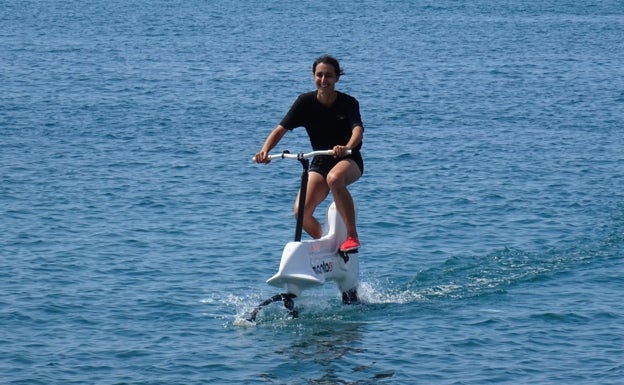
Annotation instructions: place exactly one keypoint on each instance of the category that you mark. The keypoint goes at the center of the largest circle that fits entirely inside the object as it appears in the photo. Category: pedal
(345, 254)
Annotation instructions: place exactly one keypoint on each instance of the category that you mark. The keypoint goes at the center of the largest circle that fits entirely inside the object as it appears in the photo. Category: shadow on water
(325, 348)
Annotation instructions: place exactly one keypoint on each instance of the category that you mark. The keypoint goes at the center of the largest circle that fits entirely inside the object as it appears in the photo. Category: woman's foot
(351, 244)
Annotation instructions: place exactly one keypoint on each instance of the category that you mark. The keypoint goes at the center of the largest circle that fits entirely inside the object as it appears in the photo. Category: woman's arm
(356, 138)
(271, 141)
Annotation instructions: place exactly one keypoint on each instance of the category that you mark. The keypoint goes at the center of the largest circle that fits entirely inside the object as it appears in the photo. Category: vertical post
(302, 198)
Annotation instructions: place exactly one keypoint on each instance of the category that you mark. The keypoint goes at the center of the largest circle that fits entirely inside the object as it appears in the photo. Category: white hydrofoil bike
(311, 263)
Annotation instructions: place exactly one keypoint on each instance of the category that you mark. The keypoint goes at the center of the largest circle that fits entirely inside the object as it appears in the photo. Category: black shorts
(324, 163)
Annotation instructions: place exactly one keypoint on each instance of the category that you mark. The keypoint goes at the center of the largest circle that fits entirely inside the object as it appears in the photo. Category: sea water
(136, 231)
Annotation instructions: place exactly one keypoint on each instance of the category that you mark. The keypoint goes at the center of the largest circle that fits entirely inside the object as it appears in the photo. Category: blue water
(136, 231)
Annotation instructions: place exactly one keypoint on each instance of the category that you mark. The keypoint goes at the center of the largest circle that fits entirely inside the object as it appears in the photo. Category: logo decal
(322, 267)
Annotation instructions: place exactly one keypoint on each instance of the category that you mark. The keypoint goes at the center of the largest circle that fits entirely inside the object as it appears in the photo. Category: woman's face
(325, 77)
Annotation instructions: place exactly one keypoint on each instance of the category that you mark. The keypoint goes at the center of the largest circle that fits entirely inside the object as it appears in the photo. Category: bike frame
(311, 263)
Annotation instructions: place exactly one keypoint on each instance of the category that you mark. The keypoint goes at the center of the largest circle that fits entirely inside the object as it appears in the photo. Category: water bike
(311, 263)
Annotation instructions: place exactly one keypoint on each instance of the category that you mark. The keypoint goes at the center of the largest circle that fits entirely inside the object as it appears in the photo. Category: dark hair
(326, 59)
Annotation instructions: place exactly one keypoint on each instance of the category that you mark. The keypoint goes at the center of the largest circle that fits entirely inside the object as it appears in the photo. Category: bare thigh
(316, 192)
(343, 174)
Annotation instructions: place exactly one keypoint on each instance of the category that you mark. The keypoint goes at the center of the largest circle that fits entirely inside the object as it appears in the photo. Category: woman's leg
(317, 191)
(342, 175)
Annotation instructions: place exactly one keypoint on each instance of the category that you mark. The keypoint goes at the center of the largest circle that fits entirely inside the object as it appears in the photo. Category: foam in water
(317, 303)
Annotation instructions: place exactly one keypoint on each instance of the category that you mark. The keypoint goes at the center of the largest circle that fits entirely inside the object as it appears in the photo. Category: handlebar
(301, 155)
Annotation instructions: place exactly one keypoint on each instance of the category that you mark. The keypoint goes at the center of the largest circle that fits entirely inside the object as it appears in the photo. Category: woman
(332, 120)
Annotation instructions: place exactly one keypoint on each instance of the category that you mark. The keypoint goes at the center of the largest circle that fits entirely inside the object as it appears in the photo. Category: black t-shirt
(326, 126)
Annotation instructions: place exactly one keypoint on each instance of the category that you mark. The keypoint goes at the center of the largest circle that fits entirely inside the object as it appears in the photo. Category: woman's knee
(296, 210)
(341, 177)
(335, 180)
(308, 208)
